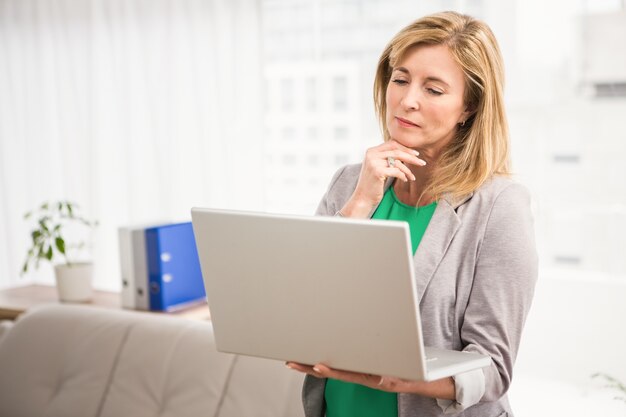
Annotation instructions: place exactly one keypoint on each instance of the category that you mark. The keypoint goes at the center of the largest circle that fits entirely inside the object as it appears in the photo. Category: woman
(442, 168)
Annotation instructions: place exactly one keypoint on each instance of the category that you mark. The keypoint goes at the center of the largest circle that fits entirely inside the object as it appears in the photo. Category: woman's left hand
(383, 383)
(442, 388)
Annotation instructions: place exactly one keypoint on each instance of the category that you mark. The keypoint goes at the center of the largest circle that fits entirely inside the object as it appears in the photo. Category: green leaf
(27, 215)
(25, 267)
(70, 209)
(49, 253)
(44, 206)
(42, 223)
(60, 243)
(36, 235)
(59, 205)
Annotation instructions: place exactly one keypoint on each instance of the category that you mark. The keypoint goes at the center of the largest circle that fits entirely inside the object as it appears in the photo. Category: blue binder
(174, 274)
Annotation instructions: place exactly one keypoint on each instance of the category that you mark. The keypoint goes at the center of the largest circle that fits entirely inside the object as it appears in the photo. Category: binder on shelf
(174, 275)
(160, 267)
(134, 267)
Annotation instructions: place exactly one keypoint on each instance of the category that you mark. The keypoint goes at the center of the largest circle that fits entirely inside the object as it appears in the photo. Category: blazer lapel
(439, 233)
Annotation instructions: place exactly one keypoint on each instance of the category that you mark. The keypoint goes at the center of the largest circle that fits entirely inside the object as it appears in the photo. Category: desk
(15, 301)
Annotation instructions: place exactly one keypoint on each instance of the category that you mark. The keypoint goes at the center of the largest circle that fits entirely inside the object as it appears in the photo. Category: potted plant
(614, 384)
(52, 223)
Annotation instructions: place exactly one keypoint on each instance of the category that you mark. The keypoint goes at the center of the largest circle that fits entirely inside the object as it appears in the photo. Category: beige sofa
(65, 361)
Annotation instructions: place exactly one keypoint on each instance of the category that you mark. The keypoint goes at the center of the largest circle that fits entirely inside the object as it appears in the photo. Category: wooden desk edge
(18, 300)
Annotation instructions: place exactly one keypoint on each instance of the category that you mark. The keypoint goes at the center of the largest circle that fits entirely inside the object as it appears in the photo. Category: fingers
(323, 371)
(378, 159)
(377, 167)
(407, 157)
(368, 380)
(377, 162)
(405, 153)
(382, 383)
(399, 170)
(307, 369)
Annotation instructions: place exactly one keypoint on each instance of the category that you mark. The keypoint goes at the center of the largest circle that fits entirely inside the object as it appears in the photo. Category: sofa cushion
(5, 326)
(58, 361)
(63, 360)
(261, 387)
(168, 367)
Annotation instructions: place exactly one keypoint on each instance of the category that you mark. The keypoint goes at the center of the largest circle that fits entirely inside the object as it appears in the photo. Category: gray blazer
(476, 269)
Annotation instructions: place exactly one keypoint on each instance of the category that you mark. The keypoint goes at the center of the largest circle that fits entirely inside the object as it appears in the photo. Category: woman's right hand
(375, 171)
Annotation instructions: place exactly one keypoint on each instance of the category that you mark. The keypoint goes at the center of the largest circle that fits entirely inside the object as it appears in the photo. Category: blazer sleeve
(503, 287)
(325, 207)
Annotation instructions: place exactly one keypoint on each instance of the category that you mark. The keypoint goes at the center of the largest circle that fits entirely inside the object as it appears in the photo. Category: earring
(463, 123)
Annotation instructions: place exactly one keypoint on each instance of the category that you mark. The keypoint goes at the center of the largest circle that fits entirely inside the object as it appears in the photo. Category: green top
(345, 399)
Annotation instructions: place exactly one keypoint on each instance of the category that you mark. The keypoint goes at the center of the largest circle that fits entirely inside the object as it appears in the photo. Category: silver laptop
(314, 289)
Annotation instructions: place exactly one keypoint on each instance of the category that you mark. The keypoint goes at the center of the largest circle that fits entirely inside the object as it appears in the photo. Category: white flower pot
(74, 282)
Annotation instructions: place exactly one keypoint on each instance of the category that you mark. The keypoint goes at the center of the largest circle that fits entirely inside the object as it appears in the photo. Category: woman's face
(425, 99)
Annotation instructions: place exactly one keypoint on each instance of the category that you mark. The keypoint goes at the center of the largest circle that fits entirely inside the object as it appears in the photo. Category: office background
(140, 109)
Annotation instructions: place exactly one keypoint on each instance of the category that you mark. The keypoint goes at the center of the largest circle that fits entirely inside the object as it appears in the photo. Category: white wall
(576, 328)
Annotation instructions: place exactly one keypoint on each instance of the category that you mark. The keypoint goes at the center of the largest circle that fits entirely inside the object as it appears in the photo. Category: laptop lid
(314, 289)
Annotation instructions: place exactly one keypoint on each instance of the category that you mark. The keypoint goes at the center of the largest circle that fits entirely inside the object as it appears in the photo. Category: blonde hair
(480, 147)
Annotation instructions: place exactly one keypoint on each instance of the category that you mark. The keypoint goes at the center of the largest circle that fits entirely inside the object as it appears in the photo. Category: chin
(409, 142)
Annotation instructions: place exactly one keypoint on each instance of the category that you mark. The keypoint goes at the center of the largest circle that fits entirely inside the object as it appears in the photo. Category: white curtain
(135, 109)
